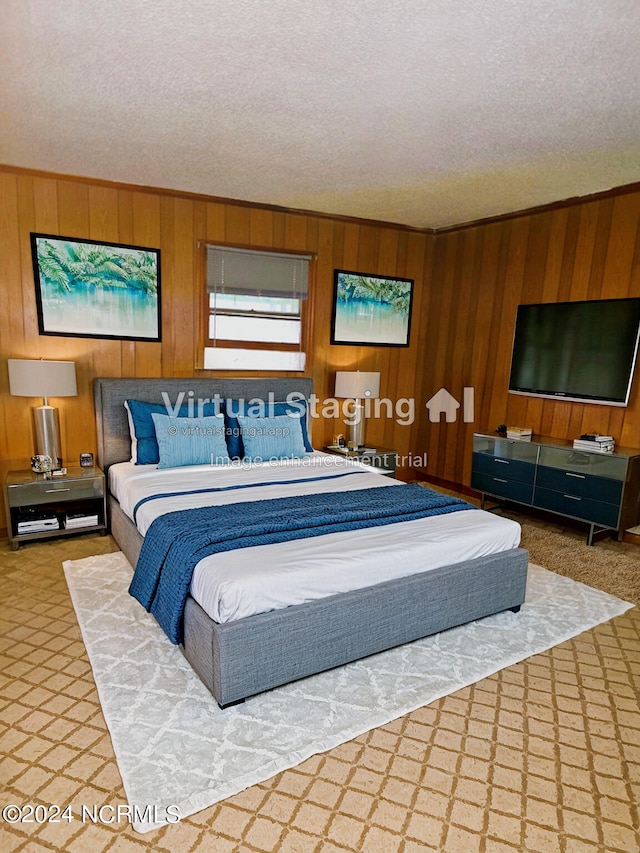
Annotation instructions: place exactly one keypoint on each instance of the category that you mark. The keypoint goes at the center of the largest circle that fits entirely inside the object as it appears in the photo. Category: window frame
(204, 311)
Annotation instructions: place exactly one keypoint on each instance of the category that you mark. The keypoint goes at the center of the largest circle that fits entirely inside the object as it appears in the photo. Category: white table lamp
(39, 378)
(357, 385)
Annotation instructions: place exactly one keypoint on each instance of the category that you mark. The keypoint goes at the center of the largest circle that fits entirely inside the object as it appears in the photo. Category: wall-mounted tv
(582, 351)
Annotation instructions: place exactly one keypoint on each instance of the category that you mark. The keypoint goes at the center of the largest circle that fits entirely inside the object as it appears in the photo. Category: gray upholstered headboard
(114, 442)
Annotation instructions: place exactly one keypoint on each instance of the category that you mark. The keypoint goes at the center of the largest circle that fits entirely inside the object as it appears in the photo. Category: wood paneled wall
(175, 223)
(468, 283)
(479, 275)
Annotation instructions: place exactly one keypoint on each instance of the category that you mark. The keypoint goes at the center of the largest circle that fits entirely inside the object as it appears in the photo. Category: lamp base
(356, 427)
(46, 424)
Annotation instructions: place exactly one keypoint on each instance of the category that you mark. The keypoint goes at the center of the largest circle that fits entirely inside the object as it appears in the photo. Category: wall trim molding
(291, 211)
(209, 199)
(542, 208)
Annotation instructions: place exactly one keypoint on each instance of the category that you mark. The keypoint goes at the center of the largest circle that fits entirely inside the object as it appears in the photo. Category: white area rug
(175, 747)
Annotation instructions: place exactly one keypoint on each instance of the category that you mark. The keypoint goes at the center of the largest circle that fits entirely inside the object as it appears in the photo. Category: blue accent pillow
(190, 441)
(279, 437)
(233, 409)
(144, 446)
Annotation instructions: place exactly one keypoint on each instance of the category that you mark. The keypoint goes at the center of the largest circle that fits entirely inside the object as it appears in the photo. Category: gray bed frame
(238, 659)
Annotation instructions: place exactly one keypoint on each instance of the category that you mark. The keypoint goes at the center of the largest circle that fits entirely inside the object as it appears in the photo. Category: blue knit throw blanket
(176, 542)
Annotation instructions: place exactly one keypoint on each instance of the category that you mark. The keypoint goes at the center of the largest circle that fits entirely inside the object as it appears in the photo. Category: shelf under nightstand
(30, 498)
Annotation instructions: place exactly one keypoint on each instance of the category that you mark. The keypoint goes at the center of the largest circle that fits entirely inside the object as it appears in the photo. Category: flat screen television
(582, 351)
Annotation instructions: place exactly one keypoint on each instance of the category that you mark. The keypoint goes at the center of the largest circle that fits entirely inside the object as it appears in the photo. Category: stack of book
(594, 441)
(74, 520)
(519, 433)
(38, 525)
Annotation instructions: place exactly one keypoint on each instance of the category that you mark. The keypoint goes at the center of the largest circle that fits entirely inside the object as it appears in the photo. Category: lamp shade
(39, 378)
(357, 384)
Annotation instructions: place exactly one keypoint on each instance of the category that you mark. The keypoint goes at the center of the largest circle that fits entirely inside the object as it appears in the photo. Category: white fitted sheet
(241, 583)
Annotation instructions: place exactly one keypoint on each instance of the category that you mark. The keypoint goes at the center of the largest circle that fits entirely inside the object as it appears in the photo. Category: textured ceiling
(422, 112)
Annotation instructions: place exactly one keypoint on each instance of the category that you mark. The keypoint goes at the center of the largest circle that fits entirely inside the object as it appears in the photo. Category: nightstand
(383, 459)
(38, 508)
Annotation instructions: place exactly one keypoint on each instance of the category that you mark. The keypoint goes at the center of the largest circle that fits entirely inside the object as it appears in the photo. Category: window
(256, 309)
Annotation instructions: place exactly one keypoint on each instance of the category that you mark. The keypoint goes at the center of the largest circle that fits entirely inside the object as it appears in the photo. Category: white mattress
(253, 580)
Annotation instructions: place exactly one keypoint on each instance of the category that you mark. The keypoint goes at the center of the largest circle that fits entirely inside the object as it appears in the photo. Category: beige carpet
(541, 757)
(607, 565)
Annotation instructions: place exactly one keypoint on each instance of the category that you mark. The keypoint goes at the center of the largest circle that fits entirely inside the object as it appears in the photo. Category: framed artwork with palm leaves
(371, 310)
(93, 289)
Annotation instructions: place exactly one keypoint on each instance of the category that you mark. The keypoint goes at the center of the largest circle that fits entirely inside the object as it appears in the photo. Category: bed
(243, 652)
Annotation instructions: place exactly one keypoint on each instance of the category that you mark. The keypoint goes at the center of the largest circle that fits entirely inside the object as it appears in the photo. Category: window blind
(248, 272)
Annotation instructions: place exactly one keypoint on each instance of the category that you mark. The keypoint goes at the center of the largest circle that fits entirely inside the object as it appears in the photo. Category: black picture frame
(96, 289)
(371, 309)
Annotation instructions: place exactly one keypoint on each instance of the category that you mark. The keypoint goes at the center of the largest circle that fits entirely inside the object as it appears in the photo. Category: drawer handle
(571, 474)
(53, 491)
(498, 480)
(503, 461)
(572, 497)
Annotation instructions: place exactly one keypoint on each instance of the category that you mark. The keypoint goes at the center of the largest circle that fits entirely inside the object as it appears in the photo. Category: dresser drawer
(585, 508)
(585, 485)
(502, 487)
(50, 491)
(508, 469)
(505, 448)
(606, 465)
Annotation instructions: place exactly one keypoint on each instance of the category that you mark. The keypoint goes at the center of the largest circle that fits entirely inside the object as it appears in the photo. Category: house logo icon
(444, 403)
